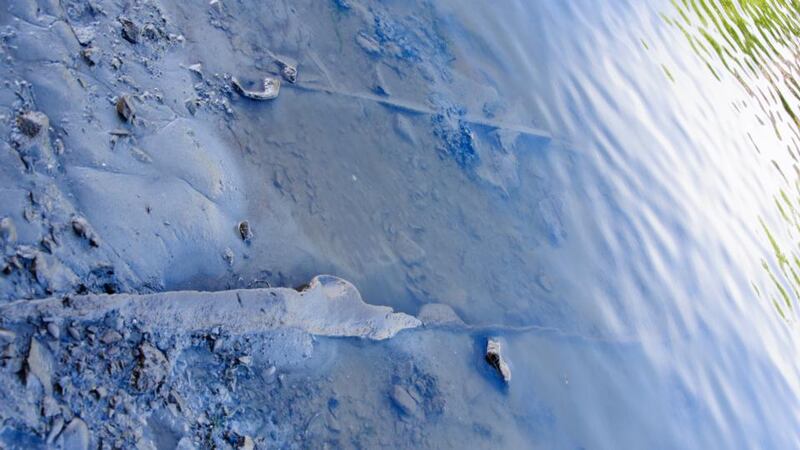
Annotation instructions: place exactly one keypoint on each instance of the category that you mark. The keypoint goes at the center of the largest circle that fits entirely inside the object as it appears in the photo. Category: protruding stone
(55, 428)
(110, 337)
(32, 123)
(152, 369)
(40, 365)
(245, 231)
(246, 443)
(91, 55)
(54, 330)
(83, 229)
(271, 88)
(288, 71)
(494, 357)
(196, 69)
(125, 108)
(84, 35)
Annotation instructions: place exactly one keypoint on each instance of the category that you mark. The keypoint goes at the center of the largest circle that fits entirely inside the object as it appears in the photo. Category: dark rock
(244, 231)
(494, 358)
(130, 31)
(32, 123)
(125, 108)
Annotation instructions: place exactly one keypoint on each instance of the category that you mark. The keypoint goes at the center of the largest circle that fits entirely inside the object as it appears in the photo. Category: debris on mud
(494, 358)
(270, 90)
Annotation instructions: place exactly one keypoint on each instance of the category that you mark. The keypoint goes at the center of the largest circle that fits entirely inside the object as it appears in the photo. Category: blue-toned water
(609, 187)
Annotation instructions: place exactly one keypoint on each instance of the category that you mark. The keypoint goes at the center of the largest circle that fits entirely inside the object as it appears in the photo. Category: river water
(609, 187)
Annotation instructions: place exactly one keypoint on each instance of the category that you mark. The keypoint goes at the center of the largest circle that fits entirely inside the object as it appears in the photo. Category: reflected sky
(755, 42)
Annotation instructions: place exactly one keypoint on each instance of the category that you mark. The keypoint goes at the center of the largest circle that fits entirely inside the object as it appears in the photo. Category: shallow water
(609, 186)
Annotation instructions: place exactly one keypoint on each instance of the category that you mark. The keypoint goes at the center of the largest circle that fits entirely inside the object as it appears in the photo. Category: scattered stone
(83, 229)
(120, 132)
(216, 5)
(494, 358)
(32, 123)
(50, 406)
(369, 44)
(141, 155)
(125, 108)
(74, 333)
(116, 63)
(110, 336)
(84, 35)
(245, 231)
(151, 32)
(39, 364)
(100, 392)
(246, 443)
(91, 55)
(8, 232)
(228, 256)
(130, 31)
(403, 400)
(288, 71)
(152, 369)
(544, 282)
(245, 360)
(75, 436)
(269, 372)
(191, 105)
(54, 330)
(196, 69)
(7, 335)
(270, 90)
